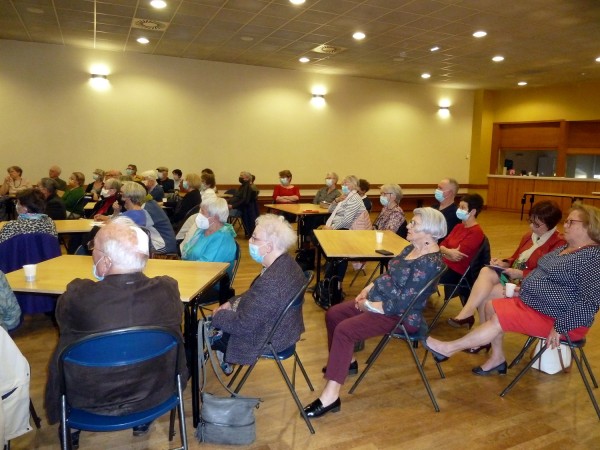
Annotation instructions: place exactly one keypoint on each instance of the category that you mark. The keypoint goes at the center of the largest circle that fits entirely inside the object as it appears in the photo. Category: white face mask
(284, 181)
(329, 182)
(104, 193)
(202, 222)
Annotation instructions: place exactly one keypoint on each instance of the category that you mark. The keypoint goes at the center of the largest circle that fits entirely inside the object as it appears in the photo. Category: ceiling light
(425, 75)
(143, 40)
(158, 4)
(359, 35)
(304, 59)
(522, 83)
(498, 58)
(297, 2)
(598, 59)
(247, 38)
(434, 49)
(479, 34)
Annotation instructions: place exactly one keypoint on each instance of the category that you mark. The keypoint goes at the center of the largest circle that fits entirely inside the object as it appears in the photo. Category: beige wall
(194, 114)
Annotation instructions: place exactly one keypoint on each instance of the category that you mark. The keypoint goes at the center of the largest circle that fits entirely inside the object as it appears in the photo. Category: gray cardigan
(258, 310)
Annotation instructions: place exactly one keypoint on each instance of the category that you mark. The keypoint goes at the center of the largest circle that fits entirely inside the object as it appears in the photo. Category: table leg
(523, 201)
(318, 278)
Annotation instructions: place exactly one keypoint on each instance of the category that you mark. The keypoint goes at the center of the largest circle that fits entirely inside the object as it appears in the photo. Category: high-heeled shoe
(437, 356)
(475, 350)
(500, 368)
(316, 408)
(458, 323)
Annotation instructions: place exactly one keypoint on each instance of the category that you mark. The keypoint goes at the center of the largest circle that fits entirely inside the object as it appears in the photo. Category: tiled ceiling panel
(543, 41)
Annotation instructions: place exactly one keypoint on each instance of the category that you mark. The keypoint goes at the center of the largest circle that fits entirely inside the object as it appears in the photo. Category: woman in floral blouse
(376, 310)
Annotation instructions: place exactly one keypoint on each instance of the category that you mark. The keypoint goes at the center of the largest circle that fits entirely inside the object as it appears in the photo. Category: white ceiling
(543, 41)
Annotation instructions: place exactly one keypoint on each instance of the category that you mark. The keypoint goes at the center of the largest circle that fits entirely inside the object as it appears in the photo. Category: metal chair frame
(119, 348)
(412, 340)
(269, 352)
(573, 346)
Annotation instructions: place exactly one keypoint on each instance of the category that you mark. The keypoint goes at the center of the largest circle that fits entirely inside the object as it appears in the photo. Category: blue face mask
(439, 195)
(345, 189)
(185, 184)
(462, 214)
(94, 271)
(384, 200)
(255, 253)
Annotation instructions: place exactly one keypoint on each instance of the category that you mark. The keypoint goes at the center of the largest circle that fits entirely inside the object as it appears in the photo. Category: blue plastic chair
(412, 340)
(269, 352)
(116, 349)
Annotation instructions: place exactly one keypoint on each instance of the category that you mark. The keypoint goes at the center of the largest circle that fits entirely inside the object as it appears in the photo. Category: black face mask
(241, 180)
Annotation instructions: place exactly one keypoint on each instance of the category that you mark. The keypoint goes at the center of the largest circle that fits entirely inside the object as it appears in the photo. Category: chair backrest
(481, 258)
(425, 290)
(236, 264)
(31, 248)
(117, 349)
(193, 210)
(295, 303)
(402, 230)
(78, 208)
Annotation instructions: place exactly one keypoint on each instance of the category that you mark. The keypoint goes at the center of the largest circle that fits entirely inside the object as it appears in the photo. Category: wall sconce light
(99, 81)
(444, 111)
(318, 100)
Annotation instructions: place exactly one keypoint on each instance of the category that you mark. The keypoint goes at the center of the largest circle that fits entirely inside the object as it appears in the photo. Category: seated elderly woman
(191, 183)
(376, 309)
(247, 319)
(95, 187)
(463, 242)
(347, 208)
(542, 238)
(13, 184)
(74, 194)
(323, 198)
(108, 196)
(30, 207)
(211, 238)
(391, 216)
(560, 297)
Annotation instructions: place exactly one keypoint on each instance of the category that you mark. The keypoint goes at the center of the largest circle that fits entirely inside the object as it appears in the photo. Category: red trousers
(345, 326)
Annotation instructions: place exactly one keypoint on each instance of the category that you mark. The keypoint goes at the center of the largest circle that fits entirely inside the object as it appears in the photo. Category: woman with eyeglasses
(542, 238)
(561, 296)
(377, 308)
(391, 216)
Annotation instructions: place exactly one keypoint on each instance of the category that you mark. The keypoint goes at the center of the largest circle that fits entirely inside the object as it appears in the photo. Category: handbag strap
(565, 369)
(212, 357)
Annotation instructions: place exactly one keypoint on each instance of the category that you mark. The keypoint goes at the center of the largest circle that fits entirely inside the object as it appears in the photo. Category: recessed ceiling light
(297, 2)
(359, 35)
(158, 4)
(33, 10)
(498, 58)
(522, 83)
(425, 75)
(598, 59)
(304, 59)
(142, 40)
(479, 34)
(434, 49)
(247, 38)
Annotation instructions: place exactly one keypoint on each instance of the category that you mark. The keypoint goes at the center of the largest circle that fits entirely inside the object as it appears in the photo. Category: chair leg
(441, 310)
(589, 368)
(293, 392)
(235, 375)
(423, 376)
(244, 378)
(34, 416)
(297, 360)
(585, 382)
(528, 343)
(378, 266)
(172, 425)
(182, 427)
(362, 269)
(512, 384)
(371, 360)
(64, 430)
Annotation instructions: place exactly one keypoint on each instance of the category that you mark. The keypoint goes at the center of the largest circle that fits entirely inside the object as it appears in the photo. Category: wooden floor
(391, 408)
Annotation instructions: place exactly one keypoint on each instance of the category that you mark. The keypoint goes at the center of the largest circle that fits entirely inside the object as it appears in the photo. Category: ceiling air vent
(147, 24)
(328, 49)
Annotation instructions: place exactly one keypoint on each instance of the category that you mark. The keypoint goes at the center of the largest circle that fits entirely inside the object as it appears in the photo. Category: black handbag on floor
(223, 420)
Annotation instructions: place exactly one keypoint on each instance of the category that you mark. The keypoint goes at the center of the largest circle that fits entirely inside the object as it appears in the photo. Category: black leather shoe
(500, 368)
(458, 323)
(437, 356)
(316, 408)
(352, 369)
(141, 430)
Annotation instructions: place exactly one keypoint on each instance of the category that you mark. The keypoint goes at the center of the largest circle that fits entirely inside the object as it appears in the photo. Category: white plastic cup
(509, 289)
(379, 237)
(30, 271)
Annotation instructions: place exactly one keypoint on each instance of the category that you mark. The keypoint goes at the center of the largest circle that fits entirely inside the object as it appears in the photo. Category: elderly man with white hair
(54, 173)
(247, 319)
(121, 297)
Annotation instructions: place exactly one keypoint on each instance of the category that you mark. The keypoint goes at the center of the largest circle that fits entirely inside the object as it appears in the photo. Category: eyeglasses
(90, 245)
(412, 223)
(534, 223)
(569, 222)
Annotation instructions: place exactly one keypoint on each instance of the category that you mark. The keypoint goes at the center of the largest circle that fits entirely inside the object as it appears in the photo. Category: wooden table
(194, 278)
(356, 245)
(70, 226)
(573, 197)
(299, 210)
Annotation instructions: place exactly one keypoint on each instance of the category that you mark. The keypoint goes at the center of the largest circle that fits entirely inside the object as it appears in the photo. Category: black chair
(573, 346)
(78, 206)
(412, 340)
(115, 350)
(462, 289)
(235, 215)
(268, 352)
